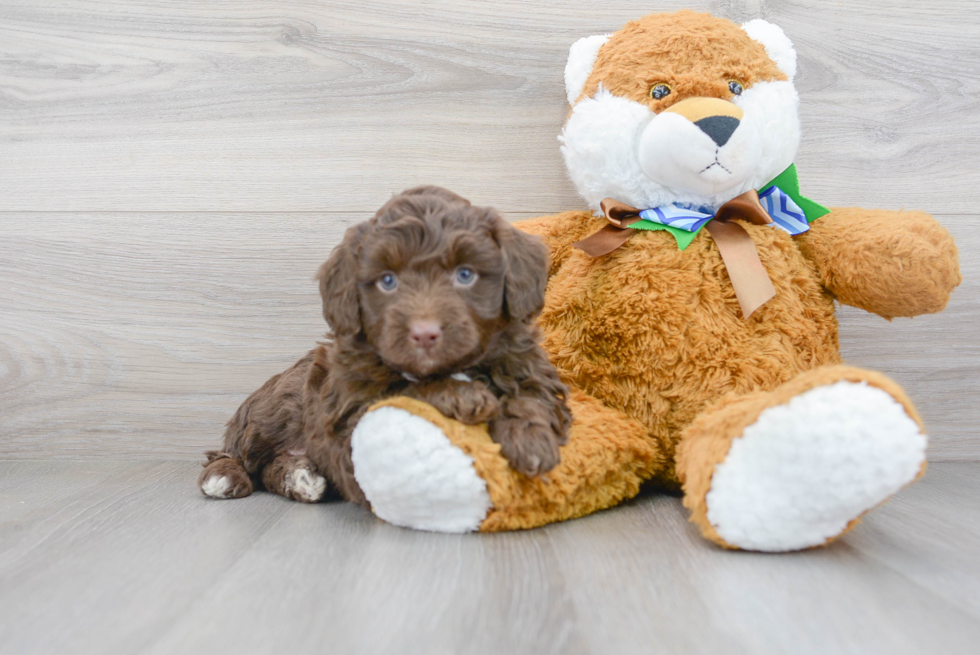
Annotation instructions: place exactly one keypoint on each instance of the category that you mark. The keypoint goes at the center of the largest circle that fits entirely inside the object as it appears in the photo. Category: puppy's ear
(338, 283)
(527, 269)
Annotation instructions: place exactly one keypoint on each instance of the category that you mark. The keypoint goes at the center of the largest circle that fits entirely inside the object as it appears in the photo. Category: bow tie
(779, 204)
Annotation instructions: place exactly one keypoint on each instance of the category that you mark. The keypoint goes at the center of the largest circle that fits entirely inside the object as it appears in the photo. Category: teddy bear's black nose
(719, 128)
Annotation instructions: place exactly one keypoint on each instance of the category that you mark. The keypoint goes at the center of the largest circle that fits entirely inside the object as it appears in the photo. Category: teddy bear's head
(680, 108)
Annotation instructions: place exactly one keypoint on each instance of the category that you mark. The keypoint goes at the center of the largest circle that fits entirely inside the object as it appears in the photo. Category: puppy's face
(432, 290)
(431, 280)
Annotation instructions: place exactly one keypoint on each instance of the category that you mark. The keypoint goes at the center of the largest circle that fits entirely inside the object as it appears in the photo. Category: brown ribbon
(751, 282)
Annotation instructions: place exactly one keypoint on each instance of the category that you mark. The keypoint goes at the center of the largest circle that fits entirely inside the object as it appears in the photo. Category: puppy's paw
(224, 478)
(304, 485)
(528, 444)
(467, 402)
(216, 486)
(475, 404)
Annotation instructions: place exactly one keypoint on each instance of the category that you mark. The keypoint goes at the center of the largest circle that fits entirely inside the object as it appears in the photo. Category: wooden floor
(127, 557)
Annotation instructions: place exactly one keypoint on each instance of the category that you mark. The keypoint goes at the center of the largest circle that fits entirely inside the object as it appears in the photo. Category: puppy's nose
(425, 334)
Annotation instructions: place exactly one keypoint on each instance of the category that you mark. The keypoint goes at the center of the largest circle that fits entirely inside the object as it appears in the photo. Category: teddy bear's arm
(888, 263)
(560, 231)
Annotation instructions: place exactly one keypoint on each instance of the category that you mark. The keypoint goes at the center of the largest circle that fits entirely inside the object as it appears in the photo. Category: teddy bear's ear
(581, 59)
(778, 46)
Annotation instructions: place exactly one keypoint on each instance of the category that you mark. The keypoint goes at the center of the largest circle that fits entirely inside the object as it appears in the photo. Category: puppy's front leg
(467, 402)
(526, 436)
(534, 419)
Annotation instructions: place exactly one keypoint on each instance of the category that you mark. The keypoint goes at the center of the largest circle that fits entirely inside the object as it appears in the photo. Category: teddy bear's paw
(805, 470)
(414, 476)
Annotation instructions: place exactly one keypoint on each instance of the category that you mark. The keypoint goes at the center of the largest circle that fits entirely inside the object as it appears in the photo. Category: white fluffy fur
(618, 148)
(581, 59)
(216, 486)
(676, 153)
(804, 470)
(778, 46)
(306, 485)
(414, 476)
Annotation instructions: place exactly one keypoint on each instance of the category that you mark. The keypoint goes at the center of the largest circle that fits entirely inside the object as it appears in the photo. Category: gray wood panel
(127, 557)
(138, 335)
(137, 330)
(310, 106)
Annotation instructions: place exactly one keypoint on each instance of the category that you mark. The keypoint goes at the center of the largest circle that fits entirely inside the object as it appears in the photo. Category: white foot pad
(216, 486)
(305, 485)
(804, 470)
(414, 476)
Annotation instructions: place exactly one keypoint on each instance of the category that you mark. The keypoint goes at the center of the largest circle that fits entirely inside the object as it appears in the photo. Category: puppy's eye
(735, 87)
(465, 276)
(388, 282)
(659, 91)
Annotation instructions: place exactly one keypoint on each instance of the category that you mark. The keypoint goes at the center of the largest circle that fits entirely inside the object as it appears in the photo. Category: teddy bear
(691, 312)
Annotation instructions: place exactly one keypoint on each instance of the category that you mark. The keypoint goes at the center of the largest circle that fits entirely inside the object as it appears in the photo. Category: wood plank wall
(172, 173)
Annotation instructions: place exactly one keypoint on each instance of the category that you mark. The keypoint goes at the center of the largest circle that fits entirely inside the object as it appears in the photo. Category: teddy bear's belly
(658, 333)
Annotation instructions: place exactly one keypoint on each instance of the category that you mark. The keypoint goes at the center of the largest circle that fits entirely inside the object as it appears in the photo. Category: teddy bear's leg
(422, 470)
(798, 466)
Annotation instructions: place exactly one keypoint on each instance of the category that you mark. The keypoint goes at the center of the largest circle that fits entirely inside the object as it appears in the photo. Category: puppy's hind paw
(216, 486)
(224, 478)
(304, 485)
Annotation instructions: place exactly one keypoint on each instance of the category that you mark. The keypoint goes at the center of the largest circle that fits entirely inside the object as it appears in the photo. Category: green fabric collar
(789, 183)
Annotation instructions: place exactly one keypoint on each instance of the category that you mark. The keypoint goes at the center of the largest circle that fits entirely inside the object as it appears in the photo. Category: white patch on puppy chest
(216, 486)
(414, 476)
(805, 469)
(306, 484)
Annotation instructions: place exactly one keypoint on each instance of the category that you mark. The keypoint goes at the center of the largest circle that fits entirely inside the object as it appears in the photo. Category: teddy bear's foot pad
(804, 470)
(414, 476)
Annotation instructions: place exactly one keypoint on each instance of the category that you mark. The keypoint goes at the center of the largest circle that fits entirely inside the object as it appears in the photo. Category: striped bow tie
(786, 215)
(778, 203)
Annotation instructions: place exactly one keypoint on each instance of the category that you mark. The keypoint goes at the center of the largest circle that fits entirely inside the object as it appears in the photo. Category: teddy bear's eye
(735, 87)
(659, 91)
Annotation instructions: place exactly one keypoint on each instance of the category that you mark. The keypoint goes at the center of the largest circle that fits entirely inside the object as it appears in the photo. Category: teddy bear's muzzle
(715, 117)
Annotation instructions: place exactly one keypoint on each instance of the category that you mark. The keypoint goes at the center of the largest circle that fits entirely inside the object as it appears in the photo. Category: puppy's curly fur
(433, 298)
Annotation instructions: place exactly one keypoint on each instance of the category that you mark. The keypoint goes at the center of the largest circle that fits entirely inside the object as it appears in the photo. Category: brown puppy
(432, 298)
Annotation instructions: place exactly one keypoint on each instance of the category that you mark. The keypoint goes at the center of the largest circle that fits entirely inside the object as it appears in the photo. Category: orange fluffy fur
(696, 54)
